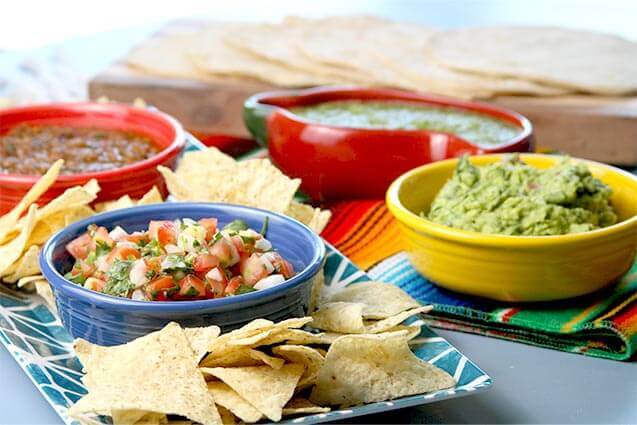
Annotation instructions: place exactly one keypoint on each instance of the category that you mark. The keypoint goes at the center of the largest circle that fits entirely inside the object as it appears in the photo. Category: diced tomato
(204, 262)
(79, 247)
(86, 269)
(253, 269)
(94, 284)
(216, 280)
(164, 231)
(156, 290)
(136, 237)
(233, 285)
(210, 224)
(225, 252)
(192, 286)
(153, 264)
(282, 266)
(122, 252)
(101, 235)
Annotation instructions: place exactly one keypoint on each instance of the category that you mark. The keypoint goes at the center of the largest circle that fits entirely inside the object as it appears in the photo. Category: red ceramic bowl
(134, 179)
(340, 162)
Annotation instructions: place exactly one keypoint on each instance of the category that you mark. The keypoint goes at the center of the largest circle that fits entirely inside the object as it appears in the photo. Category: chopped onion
(173, 249)
(101, 263)
(137, 274)
(117, 233)
(214, 274)
(263, 244)
(138, 295)
(267, 263)
(269, 282)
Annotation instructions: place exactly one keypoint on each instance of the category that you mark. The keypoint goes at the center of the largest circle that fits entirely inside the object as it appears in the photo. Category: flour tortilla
(581, 60)
(167, 56)
(211, 55)
(281, 49)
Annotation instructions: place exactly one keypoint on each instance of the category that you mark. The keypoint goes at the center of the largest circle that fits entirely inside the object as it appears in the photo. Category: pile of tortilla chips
(264, 371)
(25, 228)
(213, 176)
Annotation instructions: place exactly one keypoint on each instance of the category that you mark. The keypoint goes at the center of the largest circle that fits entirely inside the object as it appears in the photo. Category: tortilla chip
(46, 226)
(137, 417)
(43, 289)
(381, 300)
(228, 398)
(11, 251)
(340, 317)
(302, 406)
(347, 318)
(317, 288)
(251, 340)
(307, 356)
(293, 336)
(123, 202)
(26, 266)
(314, 218)
(240, 357)
(255, 182)
(227, 418)
(368, 368)
(201, 338)
(9, 220)
(265, 388)
(390, 322)
(29, 279)
(140, 371)
(153, 196)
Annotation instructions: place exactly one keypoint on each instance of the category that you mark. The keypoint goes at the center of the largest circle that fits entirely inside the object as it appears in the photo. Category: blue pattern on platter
(36, 339)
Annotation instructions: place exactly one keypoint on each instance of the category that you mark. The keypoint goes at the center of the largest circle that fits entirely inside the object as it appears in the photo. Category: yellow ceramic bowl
(514, 268)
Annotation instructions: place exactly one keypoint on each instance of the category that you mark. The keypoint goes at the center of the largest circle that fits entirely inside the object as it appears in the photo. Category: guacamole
(512, 198)
(473, 127)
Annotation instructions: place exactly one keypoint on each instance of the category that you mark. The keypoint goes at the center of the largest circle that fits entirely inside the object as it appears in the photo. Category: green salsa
(513, 198)
(471, 126)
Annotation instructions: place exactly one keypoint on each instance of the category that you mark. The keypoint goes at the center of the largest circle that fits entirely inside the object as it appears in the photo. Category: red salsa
(30, 150)
(177, 260)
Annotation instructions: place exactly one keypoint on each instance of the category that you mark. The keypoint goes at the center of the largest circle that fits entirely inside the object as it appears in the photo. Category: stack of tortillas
(365, 50)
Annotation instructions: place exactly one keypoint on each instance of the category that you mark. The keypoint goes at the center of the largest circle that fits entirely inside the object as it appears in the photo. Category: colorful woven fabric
(602, 325)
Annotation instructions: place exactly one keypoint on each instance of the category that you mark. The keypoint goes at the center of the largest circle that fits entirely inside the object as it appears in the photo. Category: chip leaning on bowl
(520, 268)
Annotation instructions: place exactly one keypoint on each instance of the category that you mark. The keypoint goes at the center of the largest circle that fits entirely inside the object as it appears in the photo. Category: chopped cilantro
(264, 227)
(152, 249)
(79, 278)
(218, 236)
(236, 226)
(178, 263)
(117, 280)
(244, 289)
(192, 292)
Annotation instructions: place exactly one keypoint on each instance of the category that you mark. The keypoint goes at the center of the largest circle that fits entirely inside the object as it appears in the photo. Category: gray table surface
(531, 385)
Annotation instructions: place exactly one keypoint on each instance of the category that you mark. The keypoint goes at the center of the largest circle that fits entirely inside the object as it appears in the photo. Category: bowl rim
(57, 280)
(387, 94)
(117, 109)
(421, 224)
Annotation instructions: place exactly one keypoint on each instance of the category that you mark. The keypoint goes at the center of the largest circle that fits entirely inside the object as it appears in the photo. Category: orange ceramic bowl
(134, 179)
(515, 268)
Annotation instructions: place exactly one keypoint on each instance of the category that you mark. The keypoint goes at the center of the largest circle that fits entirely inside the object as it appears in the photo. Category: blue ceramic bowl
(108, 320)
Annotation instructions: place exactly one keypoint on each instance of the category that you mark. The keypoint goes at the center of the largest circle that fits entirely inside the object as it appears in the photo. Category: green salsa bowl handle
(255, 117)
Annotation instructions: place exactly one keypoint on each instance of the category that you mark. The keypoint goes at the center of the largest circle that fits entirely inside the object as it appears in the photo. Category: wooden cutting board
(602, 129)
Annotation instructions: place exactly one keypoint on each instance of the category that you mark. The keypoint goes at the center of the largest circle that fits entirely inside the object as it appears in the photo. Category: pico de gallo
(177, 260)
